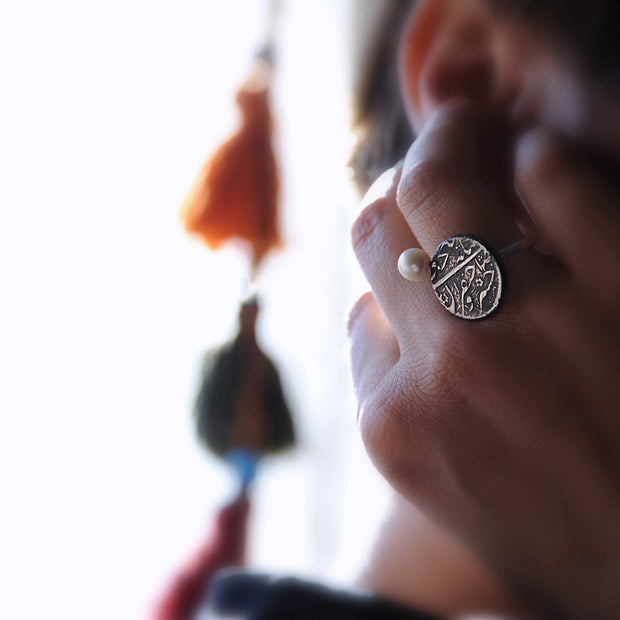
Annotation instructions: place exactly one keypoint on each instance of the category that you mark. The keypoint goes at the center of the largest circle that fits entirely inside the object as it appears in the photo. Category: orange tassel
(235, 195)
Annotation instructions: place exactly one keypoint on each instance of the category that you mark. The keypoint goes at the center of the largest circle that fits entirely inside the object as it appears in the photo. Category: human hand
(506, 431)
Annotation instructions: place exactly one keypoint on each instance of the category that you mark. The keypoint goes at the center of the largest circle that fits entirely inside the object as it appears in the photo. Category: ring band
(466, 272)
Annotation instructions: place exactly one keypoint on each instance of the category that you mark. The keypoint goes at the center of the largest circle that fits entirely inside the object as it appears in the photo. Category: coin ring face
(466, 274)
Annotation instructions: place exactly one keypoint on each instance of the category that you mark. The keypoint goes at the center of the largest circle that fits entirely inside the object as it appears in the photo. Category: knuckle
(540, 161)
(422, 185)
(375, 414)
(395, 432)
(366, 223)
(358, 309)
(386, 414)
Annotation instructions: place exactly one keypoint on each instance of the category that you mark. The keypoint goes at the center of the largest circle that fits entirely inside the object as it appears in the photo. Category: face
(520, 79)
(517, 71)
(505, 430)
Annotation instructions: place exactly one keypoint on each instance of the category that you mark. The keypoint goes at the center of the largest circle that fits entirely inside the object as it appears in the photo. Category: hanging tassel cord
(275, 10)
(273, 17)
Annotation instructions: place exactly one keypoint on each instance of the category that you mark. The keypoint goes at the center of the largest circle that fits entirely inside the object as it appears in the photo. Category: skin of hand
(504, 431)
(418, 564)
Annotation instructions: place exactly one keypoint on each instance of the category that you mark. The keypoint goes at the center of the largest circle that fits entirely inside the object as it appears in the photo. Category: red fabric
(224, 547)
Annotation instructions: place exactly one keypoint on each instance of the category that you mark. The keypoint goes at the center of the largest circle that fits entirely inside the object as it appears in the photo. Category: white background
(108, 110)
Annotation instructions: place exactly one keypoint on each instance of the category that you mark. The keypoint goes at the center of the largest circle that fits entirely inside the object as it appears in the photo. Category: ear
(448, 50)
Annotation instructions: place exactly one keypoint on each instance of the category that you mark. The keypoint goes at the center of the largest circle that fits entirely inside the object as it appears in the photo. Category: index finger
(442, 191)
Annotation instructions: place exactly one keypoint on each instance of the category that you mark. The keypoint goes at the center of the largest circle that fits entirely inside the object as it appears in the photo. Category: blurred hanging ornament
(236, 194)
(224, 547)
(240, 411)
(241, 415)
(240, 408)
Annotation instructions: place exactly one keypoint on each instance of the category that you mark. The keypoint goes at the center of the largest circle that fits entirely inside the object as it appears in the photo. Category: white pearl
(413, 264)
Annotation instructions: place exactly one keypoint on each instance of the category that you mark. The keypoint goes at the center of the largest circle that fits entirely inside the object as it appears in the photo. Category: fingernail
(454, 107)
(383, 186)
(530, 144)
(457, 103)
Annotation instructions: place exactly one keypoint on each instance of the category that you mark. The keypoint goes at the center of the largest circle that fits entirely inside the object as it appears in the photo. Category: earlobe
(446, 52)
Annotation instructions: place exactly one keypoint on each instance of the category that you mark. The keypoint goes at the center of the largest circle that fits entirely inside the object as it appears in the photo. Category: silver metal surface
(466, 275)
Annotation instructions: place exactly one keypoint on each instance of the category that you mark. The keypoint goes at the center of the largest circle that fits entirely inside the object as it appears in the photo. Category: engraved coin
(466, 275)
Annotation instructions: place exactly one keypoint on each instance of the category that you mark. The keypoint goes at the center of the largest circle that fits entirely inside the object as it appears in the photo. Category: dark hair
(588, 28)
(379, 118)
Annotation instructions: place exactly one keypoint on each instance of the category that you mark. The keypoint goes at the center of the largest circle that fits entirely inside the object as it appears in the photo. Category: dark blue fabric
(261, 597)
